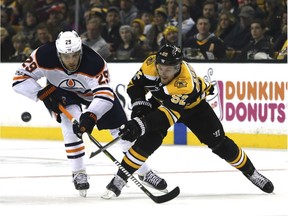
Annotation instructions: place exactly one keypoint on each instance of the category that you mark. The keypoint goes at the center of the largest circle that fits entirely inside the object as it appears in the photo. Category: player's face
(166, 73)
(70, 60)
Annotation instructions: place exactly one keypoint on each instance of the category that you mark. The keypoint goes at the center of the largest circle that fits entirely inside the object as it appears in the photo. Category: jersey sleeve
(145, 75)
(103, 95)
(26, 76)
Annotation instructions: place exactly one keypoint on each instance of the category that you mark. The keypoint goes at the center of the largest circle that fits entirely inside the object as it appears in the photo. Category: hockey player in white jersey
(76, 76)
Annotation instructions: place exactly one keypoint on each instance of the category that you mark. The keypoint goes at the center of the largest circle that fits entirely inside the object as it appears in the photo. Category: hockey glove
(133, 129)
(140, 108)
(49, 98)
(87, 122)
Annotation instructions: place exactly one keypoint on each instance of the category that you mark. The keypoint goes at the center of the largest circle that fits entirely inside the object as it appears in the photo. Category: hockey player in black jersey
(79, 80)
(178, 95)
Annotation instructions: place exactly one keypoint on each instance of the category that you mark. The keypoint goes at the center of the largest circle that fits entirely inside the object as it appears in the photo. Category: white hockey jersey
(90, 82)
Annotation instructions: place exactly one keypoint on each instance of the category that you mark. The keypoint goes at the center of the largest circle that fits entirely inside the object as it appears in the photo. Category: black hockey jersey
(184, 92)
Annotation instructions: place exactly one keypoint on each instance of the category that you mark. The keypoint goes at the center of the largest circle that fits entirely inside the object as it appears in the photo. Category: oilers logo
(72, 83)
(214, 100)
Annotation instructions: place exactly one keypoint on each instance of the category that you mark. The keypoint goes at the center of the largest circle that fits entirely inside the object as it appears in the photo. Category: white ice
(35, 179)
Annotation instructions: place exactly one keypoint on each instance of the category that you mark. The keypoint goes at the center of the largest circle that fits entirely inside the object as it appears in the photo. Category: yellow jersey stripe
(172, 116)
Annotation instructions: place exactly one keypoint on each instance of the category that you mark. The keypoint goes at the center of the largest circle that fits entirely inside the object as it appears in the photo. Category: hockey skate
(154, 181)
(260, 181)
(81, 183)
(114, 187)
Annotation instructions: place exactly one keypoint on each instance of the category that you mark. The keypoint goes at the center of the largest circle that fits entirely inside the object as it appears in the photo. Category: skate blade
(108, 195)
(83, 193)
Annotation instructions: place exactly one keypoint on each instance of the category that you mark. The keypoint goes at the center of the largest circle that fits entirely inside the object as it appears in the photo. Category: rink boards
(250, 100)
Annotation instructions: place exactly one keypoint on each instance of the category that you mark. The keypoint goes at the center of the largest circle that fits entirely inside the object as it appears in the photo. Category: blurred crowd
(128, 30)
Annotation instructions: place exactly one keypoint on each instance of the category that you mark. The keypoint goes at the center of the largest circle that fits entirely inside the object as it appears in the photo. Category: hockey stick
(157, 199)
(103, 147)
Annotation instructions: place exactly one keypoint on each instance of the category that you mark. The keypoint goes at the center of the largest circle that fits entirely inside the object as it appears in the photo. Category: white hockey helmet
(69, 42)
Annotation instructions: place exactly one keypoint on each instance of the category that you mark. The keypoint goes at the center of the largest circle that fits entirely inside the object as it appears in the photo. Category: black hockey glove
(133, 129)
(50, 99)
(140, 108)
(86, 124)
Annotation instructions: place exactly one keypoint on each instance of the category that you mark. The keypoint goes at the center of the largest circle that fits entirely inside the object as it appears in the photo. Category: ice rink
(35, 179)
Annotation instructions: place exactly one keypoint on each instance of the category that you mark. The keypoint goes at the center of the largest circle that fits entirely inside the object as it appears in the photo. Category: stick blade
(166, 197)
(92, 154)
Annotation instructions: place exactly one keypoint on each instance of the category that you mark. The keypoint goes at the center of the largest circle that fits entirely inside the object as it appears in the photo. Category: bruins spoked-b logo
(180, 83)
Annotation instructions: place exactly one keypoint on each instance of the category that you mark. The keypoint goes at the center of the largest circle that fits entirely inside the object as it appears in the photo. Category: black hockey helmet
(169, 55)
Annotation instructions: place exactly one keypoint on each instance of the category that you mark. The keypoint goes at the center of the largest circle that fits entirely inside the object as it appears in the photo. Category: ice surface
(35, 179)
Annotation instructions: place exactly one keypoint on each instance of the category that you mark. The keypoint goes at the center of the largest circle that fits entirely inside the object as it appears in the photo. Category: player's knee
(226, 149)
(149, 142)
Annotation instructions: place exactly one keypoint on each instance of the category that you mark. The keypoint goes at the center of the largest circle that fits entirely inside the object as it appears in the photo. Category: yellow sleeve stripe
(130, 163)
(137, 155)
(172, 116)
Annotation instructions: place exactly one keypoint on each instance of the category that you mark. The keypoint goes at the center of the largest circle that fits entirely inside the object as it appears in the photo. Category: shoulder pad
(148, 67)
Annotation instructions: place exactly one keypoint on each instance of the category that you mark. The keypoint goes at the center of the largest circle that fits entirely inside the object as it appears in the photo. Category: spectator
(22, 51)
(84, 13)
(98, 12)
(42, 8)
(113, 3)
(128, 11)
(56, 22)
(171, 9)
(92, 37)
(110, 31)
(20, 9)
(205, 43)
(230, 6)
(170, 36)
(260, 46)
(65, 14)
(259, 13)
(195, 8)
(147, 18)
(187, 22)
(137, 27)
(7, 48)
(9, 8)
(43, 36)
(149, 5)
(129, 49)
(151, 43)
(29, 26)
(227, 29)
(273, 20)
(280, 44)
(5, 22)
(241, 4)
(246, 16)
(209, 11)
